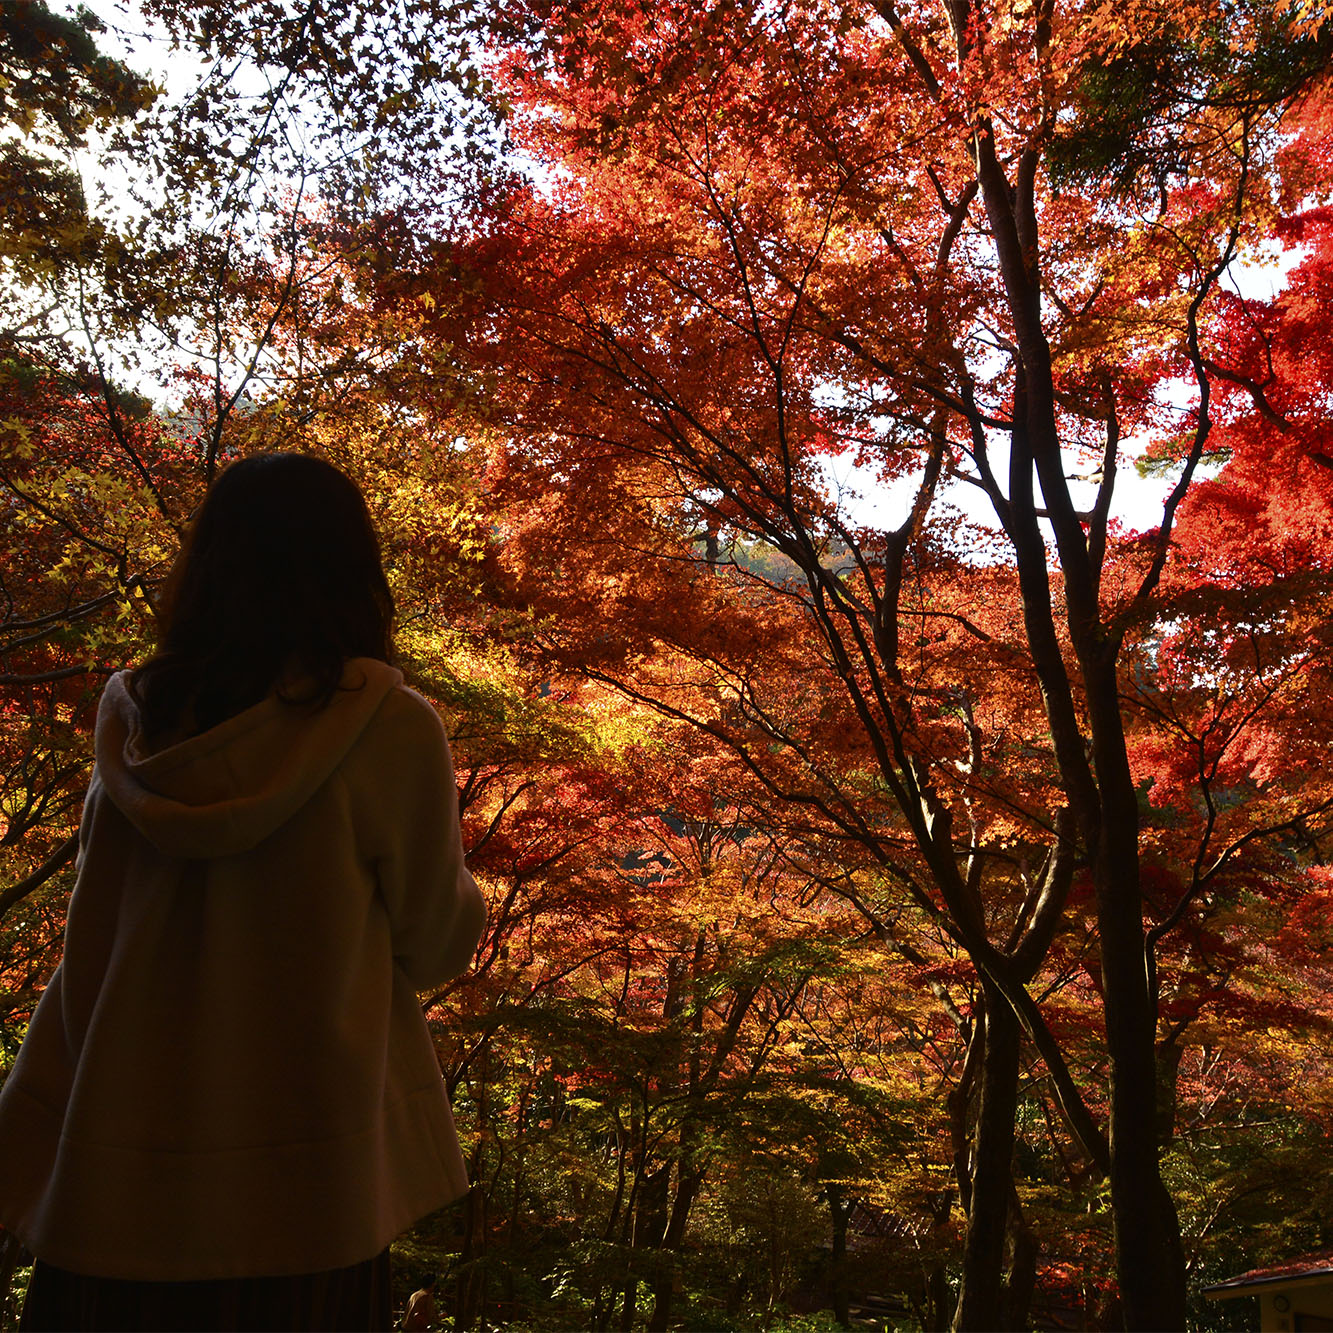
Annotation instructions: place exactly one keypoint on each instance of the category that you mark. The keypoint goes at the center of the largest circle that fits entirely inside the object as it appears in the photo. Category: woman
(228, 1102)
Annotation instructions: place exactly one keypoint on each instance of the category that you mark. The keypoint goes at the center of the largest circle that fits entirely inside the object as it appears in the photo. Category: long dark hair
(279, 579)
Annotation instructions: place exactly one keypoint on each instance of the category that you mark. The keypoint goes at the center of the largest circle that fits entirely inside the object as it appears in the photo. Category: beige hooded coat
(230, 1075)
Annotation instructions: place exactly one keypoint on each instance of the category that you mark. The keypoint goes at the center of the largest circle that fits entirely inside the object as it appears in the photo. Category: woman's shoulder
(406, 726)
(401, 759)
(406, 706)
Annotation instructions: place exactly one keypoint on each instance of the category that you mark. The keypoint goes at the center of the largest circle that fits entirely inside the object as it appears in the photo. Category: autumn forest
(857, 483)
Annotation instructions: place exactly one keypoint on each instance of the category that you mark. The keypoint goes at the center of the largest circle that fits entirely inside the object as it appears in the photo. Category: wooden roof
(1307, 1267)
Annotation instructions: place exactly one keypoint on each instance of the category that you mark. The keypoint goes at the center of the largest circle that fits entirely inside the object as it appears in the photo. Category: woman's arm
(436, 912)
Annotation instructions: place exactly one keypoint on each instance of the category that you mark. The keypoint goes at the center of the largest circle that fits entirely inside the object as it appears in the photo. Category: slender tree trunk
(650, 1224)
(1022, 1275)
(1150, 1259)
(840, 1209)
(465, 1302)
(1149, 1255)
(938, 1300)
(629, 1291)
(980, 1299)
(664, 1283)
(1168, 1077)
(662, 1271)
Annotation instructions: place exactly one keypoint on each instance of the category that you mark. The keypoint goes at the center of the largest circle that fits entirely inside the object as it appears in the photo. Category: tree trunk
(840, 1209)
(627, 1309)
(980, 1298)
(1022, 1275)
(664, 1281)
(466, 1292)
(1149, 1255)
(650, 1224)
(1168, 1078)
(1150, 1259)
(688, 1185)
(937, 1299)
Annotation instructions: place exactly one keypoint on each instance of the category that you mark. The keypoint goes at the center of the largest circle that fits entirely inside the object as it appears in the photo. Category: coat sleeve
(436, 912)
(90, 799)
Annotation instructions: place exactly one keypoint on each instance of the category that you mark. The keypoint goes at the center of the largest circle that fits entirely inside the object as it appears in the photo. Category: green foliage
(57, 90)
(54, 80)
(1131, 99)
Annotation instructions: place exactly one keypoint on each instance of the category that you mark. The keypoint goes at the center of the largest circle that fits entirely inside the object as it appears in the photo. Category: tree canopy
(930, 908)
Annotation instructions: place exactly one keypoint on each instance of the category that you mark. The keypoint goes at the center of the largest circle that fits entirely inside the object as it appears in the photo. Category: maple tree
(836, 864)
(924, 239)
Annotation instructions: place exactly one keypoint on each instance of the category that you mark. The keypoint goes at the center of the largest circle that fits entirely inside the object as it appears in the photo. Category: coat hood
(225, 790)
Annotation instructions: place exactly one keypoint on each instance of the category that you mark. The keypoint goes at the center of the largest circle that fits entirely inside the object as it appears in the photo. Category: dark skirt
(349, 1300)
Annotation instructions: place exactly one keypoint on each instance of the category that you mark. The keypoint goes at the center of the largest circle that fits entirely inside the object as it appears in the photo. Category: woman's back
(232, 1077)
